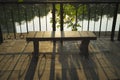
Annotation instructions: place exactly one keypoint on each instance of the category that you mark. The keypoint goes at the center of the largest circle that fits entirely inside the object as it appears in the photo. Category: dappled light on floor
(59, 62)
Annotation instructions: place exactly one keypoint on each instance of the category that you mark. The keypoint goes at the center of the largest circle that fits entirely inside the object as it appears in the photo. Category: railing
(25, 17)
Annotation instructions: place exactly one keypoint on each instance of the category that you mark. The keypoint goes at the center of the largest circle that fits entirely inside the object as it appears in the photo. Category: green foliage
(72, 13)
(21, 13)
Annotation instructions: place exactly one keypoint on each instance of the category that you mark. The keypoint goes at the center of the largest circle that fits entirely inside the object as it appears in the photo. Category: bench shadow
(11, 61)
(111, 58)
(73, 62)
(89, 68)
(32, 68)
(68, 64)
(24, 66)
(7, 59)
(41, 66)
(52, 66)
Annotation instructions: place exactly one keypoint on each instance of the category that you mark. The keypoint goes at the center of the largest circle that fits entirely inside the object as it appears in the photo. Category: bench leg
(36, 48)
(84, 48)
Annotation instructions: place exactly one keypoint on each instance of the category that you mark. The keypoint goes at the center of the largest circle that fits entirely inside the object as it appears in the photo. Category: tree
(20, 13)
(73, 13)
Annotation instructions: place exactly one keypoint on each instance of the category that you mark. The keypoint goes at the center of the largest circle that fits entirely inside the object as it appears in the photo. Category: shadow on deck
(56, 62)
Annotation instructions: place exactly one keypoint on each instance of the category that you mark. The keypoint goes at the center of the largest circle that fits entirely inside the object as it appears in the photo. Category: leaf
(58, 26)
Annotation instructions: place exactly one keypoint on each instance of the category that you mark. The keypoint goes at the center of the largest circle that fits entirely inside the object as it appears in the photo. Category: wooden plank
(31, 34)
(58, 34)
(102, 65)
(49, 34)
(83, 34)
(61, 35)
(39, 34)
(71, 34)
(91, 34)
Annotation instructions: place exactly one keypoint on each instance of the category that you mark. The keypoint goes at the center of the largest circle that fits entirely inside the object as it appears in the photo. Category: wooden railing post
(39, 13)
(119, 34)
(26, 20)
(61, 17)
(100, 21)
(88, 16)
(114, 22)
(53, 17)
(13, 22)
(1, 35)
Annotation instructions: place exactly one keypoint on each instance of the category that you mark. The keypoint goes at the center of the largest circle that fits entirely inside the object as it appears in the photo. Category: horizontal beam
(61, 39)
(65, 2)
(1, 36)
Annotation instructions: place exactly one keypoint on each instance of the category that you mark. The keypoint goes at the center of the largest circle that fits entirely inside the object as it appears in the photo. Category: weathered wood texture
(62, 35)
(24, 35)
(85, 36)
(60, 62)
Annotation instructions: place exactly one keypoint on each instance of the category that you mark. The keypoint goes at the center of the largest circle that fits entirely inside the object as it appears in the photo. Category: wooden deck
(58, 62)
